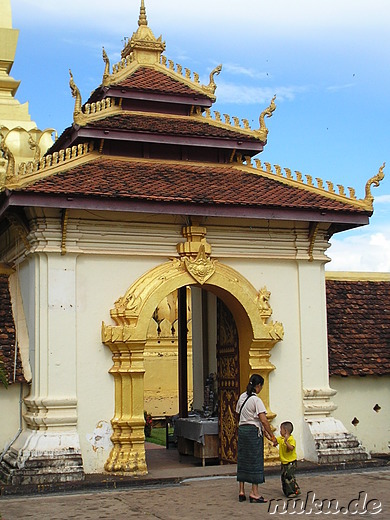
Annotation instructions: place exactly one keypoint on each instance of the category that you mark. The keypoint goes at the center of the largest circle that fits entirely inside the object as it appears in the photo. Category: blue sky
(327, 61)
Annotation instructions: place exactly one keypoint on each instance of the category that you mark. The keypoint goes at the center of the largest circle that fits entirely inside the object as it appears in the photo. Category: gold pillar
(128, 452)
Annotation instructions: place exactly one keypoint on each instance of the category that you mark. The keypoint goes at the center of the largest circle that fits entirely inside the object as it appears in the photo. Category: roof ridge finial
(142, 20)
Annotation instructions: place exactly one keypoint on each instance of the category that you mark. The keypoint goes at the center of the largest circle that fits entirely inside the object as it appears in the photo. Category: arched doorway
(132, 313)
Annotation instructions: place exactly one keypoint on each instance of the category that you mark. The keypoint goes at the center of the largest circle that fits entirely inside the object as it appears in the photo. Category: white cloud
(238, 70)
(242, 94)
(266, 15)
(382, 199)
(364, 252)
(337, 88)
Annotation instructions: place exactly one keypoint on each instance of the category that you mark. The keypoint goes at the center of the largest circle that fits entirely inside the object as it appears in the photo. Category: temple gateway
(151, 262)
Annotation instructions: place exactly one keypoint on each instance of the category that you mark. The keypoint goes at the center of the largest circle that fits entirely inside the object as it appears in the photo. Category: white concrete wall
(357, 397)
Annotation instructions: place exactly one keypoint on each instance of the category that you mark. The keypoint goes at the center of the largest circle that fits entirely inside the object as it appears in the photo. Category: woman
(252, 422)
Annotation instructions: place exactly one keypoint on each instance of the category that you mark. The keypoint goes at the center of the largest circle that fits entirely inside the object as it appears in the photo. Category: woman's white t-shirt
(251, 409)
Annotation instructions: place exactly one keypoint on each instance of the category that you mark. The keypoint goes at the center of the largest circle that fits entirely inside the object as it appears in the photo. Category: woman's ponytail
(256, 379)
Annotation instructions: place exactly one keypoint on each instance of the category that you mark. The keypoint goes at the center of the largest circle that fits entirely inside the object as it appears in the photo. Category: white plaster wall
(101, 280)
(356, 397)
(281, 279)
(9, 413)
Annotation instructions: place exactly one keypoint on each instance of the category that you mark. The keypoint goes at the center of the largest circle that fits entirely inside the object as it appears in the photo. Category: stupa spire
(142, 15)
(143, 46)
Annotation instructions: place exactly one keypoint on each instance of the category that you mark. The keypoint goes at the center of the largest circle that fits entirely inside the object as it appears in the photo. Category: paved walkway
(365, 493)
(184, 490)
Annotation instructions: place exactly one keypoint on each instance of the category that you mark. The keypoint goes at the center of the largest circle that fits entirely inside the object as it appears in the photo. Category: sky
(327, 61)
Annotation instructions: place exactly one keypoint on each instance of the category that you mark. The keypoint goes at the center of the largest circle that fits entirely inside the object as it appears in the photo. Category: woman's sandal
(260, 500)
(241, 498)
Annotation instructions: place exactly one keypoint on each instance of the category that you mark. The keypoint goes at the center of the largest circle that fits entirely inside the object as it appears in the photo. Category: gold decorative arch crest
(132, 313)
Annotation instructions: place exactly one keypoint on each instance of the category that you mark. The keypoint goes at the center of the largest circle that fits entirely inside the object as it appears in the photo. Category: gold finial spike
(268, 167)
(309, 180)
(142, 20)
(352, 193)
(341, 190)
(330, 186)
(239, 158)
(278, 170)
(217, 116)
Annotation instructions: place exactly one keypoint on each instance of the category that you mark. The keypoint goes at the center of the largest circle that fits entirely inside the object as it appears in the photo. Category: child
(288, 459)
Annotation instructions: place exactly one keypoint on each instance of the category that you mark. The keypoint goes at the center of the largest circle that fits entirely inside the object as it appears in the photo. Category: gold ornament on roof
(298, 181)
(263, 130)
(106, 73)
(142, 20)
(47, 165)
(78, 116)
(374, 181)
(211, 87)
(143, 45)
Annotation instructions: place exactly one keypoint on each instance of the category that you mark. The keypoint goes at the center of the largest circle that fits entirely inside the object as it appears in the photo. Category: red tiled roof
(151, 80)
(179, 126)
(7, 335)
(358, 327)
(108, 177)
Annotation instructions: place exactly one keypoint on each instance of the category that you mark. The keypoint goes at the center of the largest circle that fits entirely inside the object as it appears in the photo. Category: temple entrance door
(228, 382)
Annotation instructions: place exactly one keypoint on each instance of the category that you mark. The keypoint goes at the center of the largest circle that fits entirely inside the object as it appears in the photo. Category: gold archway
(132, 313)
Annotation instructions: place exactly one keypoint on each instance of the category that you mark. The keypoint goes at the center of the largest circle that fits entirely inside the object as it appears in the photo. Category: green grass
(158, 436)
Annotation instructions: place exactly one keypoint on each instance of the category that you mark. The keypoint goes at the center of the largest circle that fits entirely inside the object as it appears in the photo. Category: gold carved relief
(202, 268)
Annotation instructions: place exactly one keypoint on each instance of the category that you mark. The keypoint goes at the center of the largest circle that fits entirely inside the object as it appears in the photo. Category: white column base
(326, 438)
(40, 457)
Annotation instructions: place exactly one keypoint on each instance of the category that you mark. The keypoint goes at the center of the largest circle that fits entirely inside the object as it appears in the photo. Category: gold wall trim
(64, 228)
